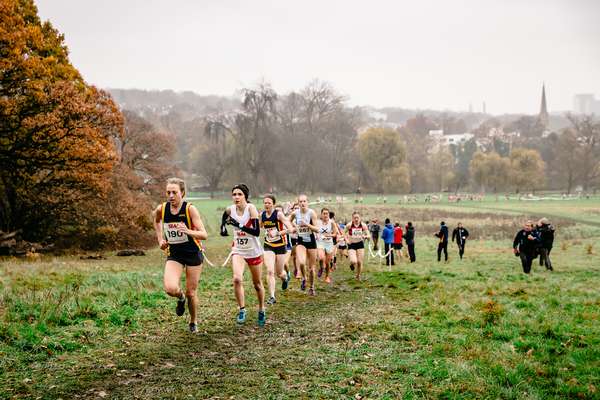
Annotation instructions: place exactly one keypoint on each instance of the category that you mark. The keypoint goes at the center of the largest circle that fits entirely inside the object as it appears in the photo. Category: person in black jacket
(442, 235)
(525, 245)
(460, 235)
(409, 238)
(546, 232)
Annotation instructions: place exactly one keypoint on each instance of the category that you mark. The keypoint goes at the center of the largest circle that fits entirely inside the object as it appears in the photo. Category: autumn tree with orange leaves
(59, 159)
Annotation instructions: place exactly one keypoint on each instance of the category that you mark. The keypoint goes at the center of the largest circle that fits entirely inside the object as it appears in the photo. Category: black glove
(223, 222)
(232, 222)
(224, 231)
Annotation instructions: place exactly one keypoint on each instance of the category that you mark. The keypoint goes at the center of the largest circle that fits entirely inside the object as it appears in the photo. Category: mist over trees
(312, 140)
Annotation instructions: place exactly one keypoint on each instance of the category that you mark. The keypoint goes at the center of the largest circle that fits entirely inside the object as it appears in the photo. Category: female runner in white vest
(327, 232)
(243, 216)
(305, 223)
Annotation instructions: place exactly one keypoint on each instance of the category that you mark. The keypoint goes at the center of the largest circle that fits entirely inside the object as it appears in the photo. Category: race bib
(241, 240)
(172, 235)
(304, 231)
(272, 235)
(357, 234)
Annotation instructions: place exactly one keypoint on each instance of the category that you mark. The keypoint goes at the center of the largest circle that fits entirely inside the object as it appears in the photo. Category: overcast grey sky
(413, 54)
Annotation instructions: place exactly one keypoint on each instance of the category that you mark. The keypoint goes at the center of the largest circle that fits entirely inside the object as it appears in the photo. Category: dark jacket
(443, 234)
(388, 234)
(524, 245)
(409, 235)
(546, 232)
(374, 229)
(460, 235)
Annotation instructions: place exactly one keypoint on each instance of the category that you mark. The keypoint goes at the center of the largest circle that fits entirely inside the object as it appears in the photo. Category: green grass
(472, 329)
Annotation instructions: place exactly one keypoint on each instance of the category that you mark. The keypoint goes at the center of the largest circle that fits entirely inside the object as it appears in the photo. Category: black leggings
(442, 246)
(526, 261)
(545, 258)
(461, 249)
(389, 259)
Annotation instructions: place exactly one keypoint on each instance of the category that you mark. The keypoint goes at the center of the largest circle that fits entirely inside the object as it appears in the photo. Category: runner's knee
(237, 281)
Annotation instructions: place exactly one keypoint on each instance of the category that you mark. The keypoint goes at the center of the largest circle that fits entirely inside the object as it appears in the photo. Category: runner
(243, 216)
(179, 230)
(341, 241)
(327, 232)
(356, 234)
(288, 243)
(273, 221)
(335, 240)
(304, 220)
(294, 243)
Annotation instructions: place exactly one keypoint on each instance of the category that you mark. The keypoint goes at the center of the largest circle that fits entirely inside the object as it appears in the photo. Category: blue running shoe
(262, 318)
(303, 284)
(241, 318)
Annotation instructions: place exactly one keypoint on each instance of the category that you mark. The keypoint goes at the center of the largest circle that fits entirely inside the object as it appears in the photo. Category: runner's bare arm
(158, 228)
(313, 221)
(199, 232)
(286, 222)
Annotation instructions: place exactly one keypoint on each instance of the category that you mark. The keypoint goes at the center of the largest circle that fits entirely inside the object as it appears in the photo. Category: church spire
(543, 117)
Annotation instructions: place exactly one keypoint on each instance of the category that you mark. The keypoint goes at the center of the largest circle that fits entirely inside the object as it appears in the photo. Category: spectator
(409, 238)
(388, 239)
(460, 235)
(397, 245)
(374, 229)
(525, 244)
(546, 232)
(442, 235)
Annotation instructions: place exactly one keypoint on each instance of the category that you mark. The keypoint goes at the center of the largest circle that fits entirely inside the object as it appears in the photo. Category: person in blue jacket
(388, 240)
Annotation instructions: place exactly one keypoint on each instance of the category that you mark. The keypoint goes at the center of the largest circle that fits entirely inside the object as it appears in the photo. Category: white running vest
(304, 232)
(244, 244)
(325, 229)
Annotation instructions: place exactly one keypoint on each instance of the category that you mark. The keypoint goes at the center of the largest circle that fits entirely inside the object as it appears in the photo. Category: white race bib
(172, 234)
(241, 240)
(272, 235)
(357, 234)
(304, 231)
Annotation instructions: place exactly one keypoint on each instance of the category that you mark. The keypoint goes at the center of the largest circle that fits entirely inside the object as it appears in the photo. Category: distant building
(586, 103)
(441, 140)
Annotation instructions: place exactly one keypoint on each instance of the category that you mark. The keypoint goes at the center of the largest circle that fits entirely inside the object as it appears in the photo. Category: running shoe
(180, 309)
(328, 279)
(303, 284)
(320, 272)
(271, 301)
(285, 283)
(311, 292)
(193, 327)
(351, 267)
(262, 318)
(241, 318)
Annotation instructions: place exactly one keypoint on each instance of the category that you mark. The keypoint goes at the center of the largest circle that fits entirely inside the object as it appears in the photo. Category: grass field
(476, 328)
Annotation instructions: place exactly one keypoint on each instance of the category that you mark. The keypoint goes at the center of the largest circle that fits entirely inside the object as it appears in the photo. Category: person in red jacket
(397, 245)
